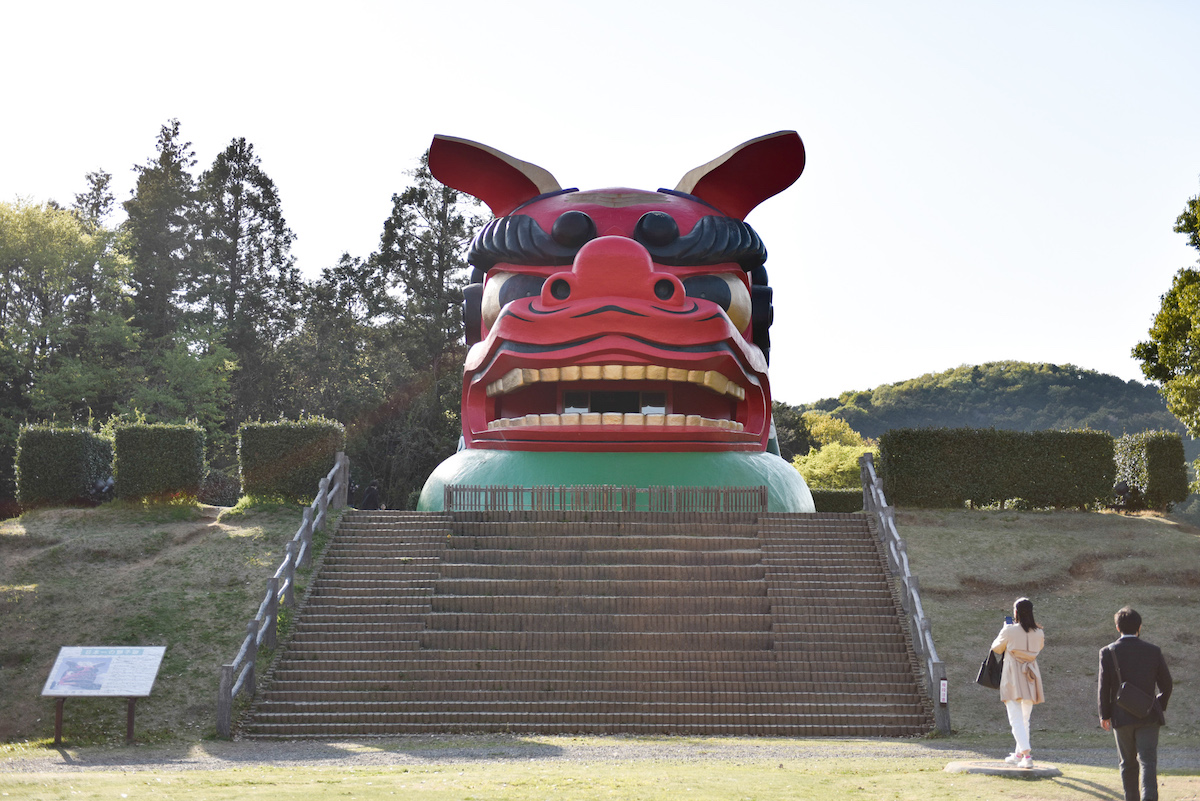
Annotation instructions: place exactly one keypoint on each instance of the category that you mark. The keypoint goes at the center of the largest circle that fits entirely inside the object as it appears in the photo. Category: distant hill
(1007, 395)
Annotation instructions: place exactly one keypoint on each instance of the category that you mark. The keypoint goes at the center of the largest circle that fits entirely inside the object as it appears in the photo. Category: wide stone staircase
(564, 622)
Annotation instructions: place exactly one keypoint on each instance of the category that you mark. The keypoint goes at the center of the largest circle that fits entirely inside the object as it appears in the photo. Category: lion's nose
(613, 267)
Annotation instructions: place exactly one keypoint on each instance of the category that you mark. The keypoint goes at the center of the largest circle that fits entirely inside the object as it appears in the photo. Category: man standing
(1133, 661)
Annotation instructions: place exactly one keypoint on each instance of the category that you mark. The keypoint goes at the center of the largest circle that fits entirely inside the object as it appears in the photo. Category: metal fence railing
(604, 498)
(874, 503)
(262, 630)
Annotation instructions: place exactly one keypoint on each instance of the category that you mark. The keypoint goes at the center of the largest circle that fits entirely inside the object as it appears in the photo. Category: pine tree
(247, 286)
(162, 233)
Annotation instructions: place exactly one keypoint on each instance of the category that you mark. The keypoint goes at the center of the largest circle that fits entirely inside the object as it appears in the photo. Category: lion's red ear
(749, 174)
(498, 179)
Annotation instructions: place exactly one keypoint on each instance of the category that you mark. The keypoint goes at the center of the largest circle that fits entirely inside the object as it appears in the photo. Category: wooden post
(289, 575)
(129, 721)
(58, 712)
(323, 503)
(225, 702)
(941, 711)
(270, 636)
(342, 495)
(251, 658)
(306, 528)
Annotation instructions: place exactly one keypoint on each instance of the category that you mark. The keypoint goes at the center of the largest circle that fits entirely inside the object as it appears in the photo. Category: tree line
(192, 309)
(1011, 395)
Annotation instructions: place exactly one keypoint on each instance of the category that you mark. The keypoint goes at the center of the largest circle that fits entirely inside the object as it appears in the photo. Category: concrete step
(550, 558)
(697, 574)
(570, 686)
(599, 588)
(565, 622)
(729, 703)
(636, 622)
(599, 640)
(819, 723)
(649, 671)
(600, 542)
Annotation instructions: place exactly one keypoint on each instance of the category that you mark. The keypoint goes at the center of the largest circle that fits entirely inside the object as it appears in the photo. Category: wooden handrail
(263, 629)
(875, 503)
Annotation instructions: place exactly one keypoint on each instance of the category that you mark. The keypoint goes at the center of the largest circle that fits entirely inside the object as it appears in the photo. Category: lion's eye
(656, 229)
(573, 229)
(502, 288)
(724, 289)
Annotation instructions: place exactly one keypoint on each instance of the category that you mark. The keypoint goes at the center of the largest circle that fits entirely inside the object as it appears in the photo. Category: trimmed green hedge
(60, 465)
(838, 500)
(1035, 469)
(156, 460)
(288, 458)
(1153, 464)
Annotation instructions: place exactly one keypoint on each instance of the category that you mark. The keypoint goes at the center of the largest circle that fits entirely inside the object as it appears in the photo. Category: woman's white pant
(1018, 718)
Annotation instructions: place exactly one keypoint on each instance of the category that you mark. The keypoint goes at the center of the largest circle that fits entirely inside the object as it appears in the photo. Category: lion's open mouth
(639, 399)
(712, 404)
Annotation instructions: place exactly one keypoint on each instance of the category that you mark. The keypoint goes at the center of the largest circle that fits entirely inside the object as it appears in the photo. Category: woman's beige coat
(1021, 679)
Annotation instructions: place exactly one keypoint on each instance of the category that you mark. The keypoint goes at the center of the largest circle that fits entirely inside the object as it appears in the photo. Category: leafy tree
(63, 324)
(94, 205)
(42, 250)
(791, 431)
(421, 259)
(162, 233)
(826, 429)
(422, 250)
(1008, 395)
(1171, 356)
(833, 466)
(1188, 222)
(344, 357)
(246, 285)
(179, 383)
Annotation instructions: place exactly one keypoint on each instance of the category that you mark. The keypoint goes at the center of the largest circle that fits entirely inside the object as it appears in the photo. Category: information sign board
(85, 671)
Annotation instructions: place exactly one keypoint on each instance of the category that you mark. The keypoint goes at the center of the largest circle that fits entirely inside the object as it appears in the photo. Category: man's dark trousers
(1138, 745)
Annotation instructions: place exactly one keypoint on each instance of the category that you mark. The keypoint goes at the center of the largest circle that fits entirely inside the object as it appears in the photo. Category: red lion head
(618, 319)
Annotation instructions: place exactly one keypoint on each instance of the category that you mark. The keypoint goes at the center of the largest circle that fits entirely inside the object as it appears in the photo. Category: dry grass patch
(1078, 568)
(181, 576)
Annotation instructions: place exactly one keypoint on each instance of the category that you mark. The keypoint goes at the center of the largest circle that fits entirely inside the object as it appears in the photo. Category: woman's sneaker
(1026, 761)
(1013, 758)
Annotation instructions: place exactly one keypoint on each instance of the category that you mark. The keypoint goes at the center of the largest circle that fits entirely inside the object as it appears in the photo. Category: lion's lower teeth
(615, 419)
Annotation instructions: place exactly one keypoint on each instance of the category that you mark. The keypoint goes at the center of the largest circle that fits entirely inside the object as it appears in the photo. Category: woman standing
(1021, 681)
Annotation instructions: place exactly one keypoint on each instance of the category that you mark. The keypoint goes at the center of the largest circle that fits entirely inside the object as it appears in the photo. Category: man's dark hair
(1128, 620)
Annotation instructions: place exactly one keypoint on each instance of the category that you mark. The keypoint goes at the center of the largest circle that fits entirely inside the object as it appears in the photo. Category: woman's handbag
(1131, 698)
(991, 670)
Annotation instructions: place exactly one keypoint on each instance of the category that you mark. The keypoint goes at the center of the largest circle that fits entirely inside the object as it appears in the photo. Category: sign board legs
(129, 722)
(58, 721)
(129, 716)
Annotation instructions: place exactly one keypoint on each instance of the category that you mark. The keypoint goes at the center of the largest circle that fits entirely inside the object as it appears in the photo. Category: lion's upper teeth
(524, 376)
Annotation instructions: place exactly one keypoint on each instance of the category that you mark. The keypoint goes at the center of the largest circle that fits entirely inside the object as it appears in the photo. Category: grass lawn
(599, 768)
(166, 581)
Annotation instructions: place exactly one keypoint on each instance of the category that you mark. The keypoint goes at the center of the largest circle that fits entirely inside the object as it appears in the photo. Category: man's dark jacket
(1143, 666)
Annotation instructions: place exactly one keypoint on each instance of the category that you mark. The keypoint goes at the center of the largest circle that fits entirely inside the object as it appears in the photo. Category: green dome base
(786, 490)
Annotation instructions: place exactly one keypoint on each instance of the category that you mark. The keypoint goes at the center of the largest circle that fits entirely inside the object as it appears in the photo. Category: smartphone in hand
(1008, 620)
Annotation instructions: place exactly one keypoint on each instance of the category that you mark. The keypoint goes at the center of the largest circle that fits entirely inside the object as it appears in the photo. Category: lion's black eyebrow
(518, 239)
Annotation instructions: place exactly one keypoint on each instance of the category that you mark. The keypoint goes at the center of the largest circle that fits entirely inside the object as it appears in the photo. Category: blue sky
(985, 180)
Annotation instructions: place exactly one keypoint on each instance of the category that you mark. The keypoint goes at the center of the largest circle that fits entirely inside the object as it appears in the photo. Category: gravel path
(434, 750)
